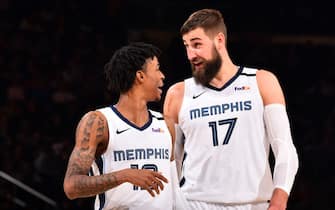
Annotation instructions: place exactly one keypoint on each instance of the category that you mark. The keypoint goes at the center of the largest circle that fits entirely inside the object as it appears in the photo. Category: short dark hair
(121, 70)
(210, 20)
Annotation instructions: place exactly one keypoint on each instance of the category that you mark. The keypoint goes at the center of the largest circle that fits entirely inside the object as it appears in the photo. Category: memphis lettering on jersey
(220, 109)
(139, 154)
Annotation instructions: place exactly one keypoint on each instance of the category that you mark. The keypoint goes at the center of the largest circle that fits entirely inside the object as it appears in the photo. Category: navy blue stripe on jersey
(158, 118)
(239, 72)
(102, 200)
(182, 181)
(102, 196)
(146, 125)
(248, 75)
(90, 173)
(100, 164)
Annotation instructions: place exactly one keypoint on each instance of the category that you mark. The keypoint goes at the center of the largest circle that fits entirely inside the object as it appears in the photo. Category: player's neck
(133, 108)
(226, 72)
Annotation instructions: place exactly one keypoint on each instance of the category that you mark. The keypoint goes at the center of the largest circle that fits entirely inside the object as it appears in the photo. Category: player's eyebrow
(192, 40)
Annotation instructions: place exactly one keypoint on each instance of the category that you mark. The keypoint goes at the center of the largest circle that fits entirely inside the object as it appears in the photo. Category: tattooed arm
(91, 141)
(91, 133)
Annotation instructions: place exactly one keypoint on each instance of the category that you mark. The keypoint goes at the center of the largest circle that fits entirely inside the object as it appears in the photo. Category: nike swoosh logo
(196, 96)
(121, 131)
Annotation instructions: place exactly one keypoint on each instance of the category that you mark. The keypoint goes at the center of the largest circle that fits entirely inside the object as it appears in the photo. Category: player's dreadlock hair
(121, 70)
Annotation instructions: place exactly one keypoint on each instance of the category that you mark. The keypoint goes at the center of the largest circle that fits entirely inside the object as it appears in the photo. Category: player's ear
(140, 75)
(220, 40)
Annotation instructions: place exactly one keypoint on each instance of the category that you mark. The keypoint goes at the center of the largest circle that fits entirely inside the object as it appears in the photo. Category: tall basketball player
(227, 117)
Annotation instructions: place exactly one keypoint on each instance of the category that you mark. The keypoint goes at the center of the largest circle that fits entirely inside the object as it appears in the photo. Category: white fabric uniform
(147, 147)
(226, 150)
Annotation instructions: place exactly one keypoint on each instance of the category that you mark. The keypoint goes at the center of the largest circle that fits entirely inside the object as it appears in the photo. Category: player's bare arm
(272, 93)
(91, 133)
(173, 136)
(172, 104)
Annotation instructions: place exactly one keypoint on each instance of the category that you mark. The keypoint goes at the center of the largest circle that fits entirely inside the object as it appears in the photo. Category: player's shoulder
(265, 77)
(176, 91)
(93, 120)
(179, 86)
(92, 115)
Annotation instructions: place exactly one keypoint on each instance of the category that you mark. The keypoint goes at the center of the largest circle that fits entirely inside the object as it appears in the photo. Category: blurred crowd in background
(52, 55)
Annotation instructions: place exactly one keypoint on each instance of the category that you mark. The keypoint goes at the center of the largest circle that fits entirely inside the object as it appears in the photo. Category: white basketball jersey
(226, 151)
(147, 147)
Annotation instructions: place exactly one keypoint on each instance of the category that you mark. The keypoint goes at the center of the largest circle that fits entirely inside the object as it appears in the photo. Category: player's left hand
(278, 200)
(274, 207)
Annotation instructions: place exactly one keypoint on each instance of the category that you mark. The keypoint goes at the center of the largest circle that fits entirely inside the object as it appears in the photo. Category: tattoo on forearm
(79, 163)
(96, 184)
(75, 169)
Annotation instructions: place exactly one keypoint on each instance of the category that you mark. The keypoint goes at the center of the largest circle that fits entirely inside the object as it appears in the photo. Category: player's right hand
(152, 181)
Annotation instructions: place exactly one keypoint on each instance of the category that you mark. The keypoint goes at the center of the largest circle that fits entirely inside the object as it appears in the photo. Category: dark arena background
(52, 54)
